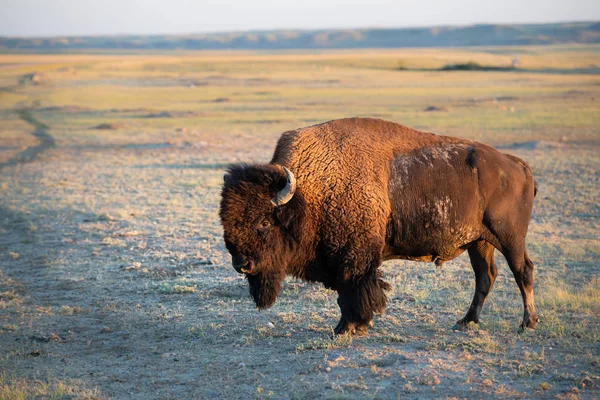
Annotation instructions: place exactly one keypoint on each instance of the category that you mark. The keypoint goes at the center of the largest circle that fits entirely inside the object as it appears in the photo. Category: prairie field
(115, 281)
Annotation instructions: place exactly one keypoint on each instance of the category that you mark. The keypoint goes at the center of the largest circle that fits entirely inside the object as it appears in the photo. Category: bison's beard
(265, 286)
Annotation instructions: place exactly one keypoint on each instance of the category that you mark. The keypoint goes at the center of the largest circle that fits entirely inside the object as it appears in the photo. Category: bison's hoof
(529, 322)
(462, 326)
(345, 327)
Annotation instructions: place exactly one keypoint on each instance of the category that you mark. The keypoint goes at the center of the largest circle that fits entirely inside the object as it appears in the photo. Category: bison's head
(261, 212)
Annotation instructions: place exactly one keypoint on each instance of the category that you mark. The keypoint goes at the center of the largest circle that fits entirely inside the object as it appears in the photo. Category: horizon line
(271, 30)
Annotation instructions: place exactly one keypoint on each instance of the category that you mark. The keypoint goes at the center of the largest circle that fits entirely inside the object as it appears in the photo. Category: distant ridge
(472, 35)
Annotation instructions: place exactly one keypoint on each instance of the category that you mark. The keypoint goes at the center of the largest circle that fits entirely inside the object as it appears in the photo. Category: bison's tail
(535, 187)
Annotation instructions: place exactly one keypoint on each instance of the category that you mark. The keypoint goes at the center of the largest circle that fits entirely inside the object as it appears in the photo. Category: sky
(43, 18)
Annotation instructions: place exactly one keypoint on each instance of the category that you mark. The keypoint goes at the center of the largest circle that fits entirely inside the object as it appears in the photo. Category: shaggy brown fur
(369, 190)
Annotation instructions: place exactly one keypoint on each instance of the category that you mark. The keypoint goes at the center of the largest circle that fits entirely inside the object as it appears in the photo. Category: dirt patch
(507, 98)
(533, 145)
(474, 66)
(70, 109)
(130, 110)
(110, 126)
(172, 114)
(564, 142)
(437, 108)
(576, 93)
(36, 78)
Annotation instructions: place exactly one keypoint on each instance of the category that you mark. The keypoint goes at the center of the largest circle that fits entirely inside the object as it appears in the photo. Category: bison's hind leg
(522, 269)
(481, 254)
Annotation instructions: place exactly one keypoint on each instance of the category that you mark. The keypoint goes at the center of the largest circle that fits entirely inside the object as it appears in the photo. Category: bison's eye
(264, 225)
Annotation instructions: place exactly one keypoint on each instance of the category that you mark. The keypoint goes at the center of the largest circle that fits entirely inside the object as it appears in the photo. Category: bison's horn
(285, 194)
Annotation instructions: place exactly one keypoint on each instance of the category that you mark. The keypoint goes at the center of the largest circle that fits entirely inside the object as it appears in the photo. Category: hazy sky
(94, 17)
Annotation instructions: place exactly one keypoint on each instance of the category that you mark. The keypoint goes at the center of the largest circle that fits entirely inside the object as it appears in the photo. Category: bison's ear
(291, 215)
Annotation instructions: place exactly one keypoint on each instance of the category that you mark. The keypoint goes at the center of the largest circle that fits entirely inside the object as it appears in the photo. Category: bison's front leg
(352, 328)
(358, 301)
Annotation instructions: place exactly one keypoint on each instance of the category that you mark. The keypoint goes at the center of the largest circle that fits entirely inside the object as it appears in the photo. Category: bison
(341, 197)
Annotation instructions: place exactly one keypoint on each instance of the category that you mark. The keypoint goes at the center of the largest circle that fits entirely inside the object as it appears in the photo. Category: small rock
(36, 78)
(105, 217)
(35, 353)
(270, 325)
(134, 266)
(586, 382)
(54, 337)
(105, 329)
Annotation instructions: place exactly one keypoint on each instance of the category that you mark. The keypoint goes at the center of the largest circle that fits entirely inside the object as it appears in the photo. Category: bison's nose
(245, 268)
(239, 267)
(238, 262)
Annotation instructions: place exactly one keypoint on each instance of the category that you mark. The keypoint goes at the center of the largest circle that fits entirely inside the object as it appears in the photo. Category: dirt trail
(32, 153)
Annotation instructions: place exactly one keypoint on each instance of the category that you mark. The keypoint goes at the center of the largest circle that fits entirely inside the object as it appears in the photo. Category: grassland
(114, 280)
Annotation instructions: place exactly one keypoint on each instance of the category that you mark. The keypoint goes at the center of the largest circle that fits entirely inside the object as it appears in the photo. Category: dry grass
(326, 343)
(562, 297)
(113, 271)
(12, 388)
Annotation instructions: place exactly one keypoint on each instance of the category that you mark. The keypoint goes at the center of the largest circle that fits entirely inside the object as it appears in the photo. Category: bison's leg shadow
(481, 254)
(359, 301)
